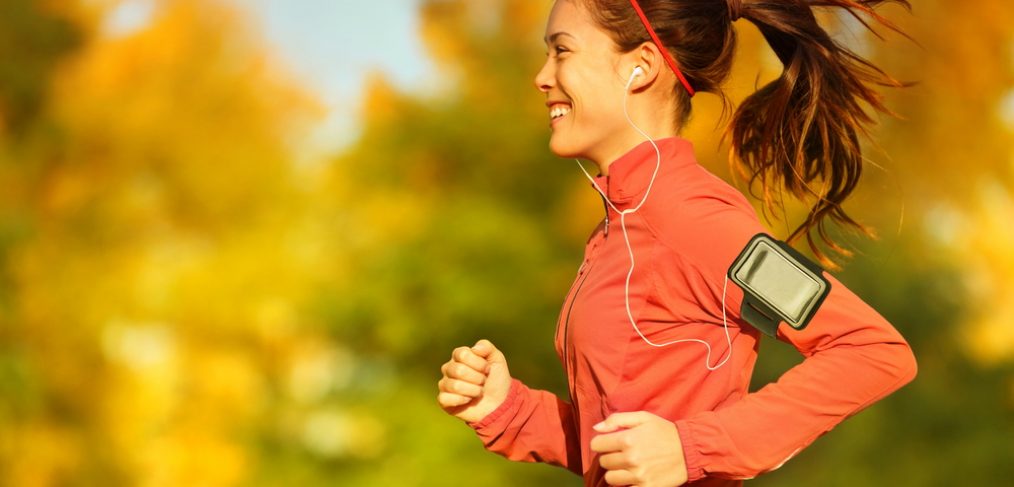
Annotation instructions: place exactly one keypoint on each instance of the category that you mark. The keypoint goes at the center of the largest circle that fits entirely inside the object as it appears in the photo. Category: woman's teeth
(558, 112)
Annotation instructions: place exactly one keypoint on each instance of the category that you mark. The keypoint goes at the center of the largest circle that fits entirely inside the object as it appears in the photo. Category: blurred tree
(32, 42)
(33, 39)
(150, 333)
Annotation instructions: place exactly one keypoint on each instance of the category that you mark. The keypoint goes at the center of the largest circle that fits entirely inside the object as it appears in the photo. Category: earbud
(633, 74)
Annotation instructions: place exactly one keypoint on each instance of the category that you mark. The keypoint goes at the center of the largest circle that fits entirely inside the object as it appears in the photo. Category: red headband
(665, 52)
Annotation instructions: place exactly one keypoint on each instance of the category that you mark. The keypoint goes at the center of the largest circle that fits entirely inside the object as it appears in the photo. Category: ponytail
(799, 133)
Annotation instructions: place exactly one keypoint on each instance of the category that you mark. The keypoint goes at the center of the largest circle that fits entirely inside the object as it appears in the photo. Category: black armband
(779, 284)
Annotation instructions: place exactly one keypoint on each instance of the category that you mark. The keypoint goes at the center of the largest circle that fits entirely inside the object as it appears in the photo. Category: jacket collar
(630, 174)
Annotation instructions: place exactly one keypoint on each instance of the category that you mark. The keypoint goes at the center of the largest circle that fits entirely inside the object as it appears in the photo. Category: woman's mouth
(558, 111)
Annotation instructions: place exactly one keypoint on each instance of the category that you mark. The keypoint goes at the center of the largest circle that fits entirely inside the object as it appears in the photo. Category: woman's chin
(561, 148)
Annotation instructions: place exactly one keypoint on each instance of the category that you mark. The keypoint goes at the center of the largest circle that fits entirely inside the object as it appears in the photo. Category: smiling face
(583, 85)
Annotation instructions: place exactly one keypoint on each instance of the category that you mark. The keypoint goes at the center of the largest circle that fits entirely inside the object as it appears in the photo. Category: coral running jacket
(684, 238)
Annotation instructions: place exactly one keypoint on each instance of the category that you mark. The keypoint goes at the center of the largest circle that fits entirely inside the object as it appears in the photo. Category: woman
(657, 354)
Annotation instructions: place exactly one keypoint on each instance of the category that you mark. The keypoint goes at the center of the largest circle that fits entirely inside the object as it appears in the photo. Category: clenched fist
(640, 449)
(475, 381)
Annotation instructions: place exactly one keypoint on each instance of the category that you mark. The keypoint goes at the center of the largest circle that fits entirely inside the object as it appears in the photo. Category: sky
(332, 44)
(329, 46)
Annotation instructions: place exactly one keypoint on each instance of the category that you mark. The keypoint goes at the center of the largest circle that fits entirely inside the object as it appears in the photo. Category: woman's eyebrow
(552, 37)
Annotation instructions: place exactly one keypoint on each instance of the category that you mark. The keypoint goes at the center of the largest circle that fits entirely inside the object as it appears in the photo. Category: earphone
(637, 71)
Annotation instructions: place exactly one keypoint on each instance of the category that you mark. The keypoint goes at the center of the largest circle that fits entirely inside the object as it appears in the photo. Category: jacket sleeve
(852, 358)
(532, 426)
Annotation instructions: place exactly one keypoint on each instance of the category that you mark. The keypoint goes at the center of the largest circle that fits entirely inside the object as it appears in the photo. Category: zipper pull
(606, 207)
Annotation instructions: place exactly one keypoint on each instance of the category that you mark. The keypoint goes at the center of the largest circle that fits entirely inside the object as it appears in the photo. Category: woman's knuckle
(454, 370)
(461, 370)
(633, 458)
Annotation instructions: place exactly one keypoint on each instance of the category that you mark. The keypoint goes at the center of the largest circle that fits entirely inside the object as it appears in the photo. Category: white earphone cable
(630, 250)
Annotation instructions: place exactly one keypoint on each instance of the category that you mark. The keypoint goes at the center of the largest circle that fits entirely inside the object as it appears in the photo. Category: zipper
(585, 268)
(582, 273)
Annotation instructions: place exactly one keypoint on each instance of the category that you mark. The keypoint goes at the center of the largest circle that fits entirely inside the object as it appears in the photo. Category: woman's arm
(532, 426)
(512, 420)
(854, 357)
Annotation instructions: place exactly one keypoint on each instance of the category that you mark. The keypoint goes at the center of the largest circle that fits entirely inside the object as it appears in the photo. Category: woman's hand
(646, 452)
(475, 382)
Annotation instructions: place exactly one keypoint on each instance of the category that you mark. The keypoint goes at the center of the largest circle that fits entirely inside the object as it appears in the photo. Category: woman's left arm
(854, 357)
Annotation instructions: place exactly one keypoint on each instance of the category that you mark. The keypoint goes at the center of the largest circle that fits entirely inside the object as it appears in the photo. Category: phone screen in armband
(778, 283)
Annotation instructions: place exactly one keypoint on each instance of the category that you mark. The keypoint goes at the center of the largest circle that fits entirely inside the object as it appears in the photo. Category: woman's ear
(649, 60)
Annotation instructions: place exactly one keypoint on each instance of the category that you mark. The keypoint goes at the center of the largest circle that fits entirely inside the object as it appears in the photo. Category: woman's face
(582, 83)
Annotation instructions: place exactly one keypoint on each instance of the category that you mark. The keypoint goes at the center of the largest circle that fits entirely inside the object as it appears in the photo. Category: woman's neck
(619, 146)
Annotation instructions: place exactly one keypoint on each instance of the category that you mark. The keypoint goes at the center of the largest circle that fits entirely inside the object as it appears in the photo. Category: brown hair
(800, 128)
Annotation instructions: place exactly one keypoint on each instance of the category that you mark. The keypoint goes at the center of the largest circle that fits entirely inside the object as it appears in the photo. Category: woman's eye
(558, 50)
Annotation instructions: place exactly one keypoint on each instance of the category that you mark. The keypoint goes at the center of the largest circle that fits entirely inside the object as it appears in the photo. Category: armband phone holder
(779, 284)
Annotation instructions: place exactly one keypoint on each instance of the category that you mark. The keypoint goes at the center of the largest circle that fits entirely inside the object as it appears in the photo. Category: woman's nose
(544, 78)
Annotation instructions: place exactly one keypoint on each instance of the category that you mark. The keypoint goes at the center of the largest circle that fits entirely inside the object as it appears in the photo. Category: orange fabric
(684, 238)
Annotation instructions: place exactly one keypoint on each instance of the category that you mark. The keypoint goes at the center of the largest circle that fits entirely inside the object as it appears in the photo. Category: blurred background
(239, 238)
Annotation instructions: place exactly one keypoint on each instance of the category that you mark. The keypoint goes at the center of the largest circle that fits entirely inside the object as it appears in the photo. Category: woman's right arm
(512, 420)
